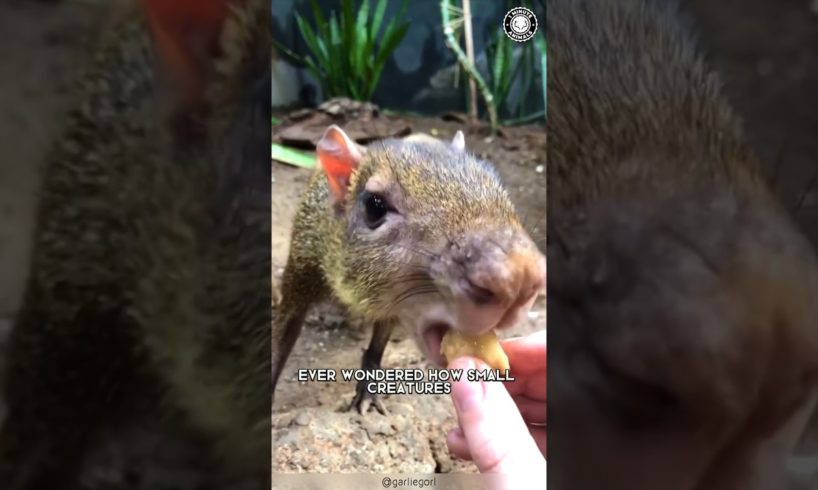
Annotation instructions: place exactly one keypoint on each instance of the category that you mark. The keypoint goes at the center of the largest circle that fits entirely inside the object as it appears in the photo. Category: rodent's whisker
(418, 278)
(392, 306)
(411, 292)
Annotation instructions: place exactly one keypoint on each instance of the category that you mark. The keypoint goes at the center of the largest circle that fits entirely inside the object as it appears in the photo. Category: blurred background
(422, 74)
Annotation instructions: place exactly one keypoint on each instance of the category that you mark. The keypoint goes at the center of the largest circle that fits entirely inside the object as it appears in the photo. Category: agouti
(415, 232)
(683, 321)
(149, 293)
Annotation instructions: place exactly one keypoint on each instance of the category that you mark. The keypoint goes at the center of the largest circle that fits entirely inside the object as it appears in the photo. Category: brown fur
(681, 296)
(149, 291)
(442, 193)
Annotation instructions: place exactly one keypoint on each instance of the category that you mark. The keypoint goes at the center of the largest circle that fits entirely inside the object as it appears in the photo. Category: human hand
(495, 419)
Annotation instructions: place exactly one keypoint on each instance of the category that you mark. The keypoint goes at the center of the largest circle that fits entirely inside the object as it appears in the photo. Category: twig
(469, 40)
(451, 42)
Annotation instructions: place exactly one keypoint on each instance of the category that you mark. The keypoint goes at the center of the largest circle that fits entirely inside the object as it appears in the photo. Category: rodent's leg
(286, 329)
(301, 287)
(372, 360)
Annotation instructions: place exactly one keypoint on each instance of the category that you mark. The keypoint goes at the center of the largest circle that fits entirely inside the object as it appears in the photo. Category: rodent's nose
(479, 295)
(494, 280)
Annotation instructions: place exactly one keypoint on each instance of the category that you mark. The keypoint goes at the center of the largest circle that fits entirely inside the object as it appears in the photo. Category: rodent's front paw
(364, 400)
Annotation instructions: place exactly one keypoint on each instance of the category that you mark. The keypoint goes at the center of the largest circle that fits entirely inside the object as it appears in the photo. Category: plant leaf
(526, 65)
(506, 70)
(388, 45)
(402, 11)
(291, 156)
(334, 33)
(540, 43)
(497, 67)
(377, 18)
(346, 55)
(320, 76)
(361, 39)
(308, 35)
(386, 50)
(320, 21)
(288, 54)
(337, 54)
(347, 27)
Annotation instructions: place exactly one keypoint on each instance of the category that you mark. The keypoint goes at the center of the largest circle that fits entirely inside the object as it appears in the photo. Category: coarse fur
(465, 190)
(445, 200)
(681, 297)
(149, 291)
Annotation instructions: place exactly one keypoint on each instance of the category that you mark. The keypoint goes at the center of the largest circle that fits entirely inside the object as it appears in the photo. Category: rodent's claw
(363, 400)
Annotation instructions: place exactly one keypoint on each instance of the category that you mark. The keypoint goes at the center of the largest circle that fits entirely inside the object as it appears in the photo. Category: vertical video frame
(409, 200)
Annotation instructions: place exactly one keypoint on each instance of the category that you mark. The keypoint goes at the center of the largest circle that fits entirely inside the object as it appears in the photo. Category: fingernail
(467, 394)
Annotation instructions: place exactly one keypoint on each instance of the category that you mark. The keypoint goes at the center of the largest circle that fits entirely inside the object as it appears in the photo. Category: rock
(302, 419)
(377, 426)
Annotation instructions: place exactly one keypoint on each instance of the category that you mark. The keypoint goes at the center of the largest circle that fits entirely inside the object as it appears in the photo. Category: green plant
(292, 156)
(504, 68)
(452, 20)
(541, 44)
(501, 67)
(347, 55)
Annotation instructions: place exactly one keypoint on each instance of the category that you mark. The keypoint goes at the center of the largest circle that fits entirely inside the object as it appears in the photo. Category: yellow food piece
(485, 347)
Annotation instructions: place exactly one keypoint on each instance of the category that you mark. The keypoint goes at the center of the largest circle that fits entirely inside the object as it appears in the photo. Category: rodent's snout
(492, 278)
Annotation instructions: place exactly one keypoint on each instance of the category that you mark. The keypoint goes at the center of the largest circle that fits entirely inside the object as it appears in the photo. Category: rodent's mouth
(433, 336)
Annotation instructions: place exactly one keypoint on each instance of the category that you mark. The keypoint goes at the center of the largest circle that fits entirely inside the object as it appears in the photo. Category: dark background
(767, 51)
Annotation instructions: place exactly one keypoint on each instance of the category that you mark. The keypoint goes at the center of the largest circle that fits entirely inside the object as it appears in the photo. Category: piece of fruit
(485, 347)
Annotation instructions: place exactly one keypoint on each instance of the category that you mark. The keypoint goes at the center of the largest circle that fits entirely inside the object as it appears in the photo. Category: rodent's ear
(459, 141)
(339, 156)
(186, 36)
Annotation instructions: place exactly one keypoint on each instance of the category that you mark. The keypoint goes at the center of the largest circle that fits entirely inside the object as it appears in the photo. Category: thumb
(497, 436)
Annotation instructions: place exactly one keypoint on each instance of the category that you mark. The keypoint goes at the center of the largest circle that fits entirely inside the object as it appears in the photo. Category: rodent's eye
(376, 209)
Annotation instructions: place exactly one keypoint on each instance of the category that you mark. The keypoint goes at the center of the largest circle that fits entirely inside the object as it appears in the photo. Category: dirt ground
(770, 66)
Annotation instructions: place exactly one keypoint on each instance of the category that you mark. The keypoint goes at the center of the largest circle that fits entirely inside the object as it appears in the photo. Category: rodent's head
(206, 288)
(427, 235)
(213, 84)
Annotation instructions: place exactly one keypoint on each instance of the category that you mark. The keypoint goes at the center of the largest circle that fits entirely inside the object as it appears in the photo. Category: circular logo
(520, 24)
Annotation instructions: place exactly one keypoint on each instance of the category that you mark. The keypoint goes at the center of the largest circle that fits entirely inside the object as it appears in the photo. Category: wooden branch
(469, 40)
(469, 68)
